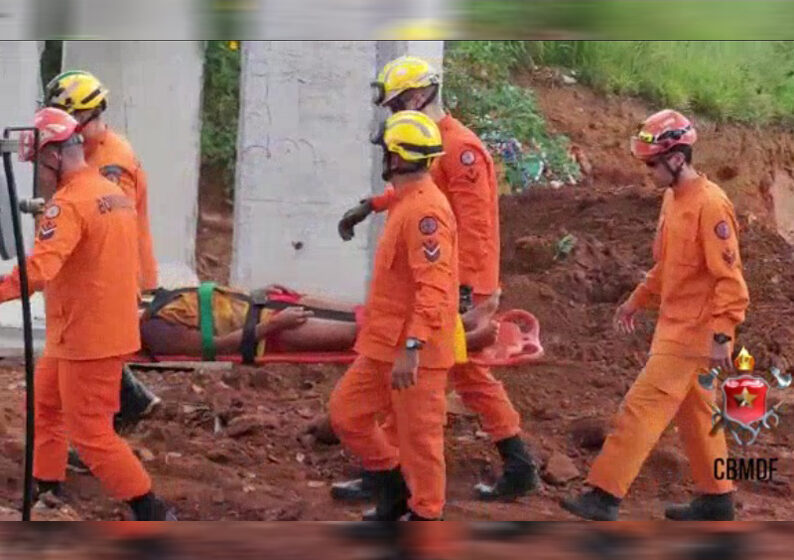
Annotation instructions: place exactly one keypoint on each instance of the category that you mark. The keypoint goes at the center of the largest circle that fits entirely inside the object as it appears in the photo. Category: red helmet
(54, 125)
(660, 133)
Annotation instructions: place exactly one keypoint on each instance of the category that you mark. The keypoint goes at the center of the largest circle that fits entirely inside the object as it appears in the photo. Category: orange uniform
(115, 159)
(698, 281)
(466, 175)
(414, 294)
(85, 260)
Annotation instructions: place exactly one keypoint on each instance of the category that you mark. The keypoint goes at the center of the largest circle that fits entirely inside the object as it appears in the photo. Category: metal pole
(27, 322)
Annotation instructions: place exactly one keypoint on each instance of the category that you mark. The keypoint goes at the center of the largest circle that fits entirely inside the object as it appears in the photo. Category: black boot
(391, 493)
(151, 508)
(520, 475)
(53, 487)
(137, 401)
(75, 464)
(356, 490)
(708, 507)
(595, 505)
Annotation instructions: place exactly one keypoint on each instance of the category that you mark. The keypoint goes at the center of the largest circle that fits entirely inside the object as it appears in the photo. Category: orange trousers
(667, 390)
(75, 402)
(363, 394)
(482, 394)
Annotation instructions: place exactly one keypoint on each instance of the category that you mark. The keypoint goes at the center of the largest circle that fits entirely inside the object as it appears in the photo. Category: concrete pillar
(20, 87)
(304, 157)
(155, 100)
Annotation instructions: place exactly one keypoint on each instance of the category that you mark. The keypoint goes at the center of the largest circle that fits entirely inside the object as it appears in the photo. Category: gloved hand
(353, 217)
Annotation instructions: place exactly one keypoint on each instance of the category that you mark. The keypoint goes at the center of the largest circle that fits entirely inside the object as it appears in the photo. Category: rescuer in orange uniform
(85, 261)
(406, 344)
(466, 175)
(697, 284)
(82, 95)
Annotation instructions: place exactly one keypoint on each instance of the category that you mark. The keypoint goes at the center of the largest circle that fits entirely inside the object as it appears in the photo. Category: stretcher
(518, 343)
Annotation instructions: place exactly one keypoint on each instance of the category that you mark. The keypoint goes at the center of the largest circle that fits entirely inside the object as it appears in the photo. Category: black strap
(249, 342)
(259, 301)
(163, 297)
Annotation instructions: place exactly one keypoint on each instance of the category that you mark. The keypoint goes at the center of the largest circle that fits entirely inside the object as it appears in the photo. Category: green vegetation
(727, 81)
(477, 88)
(628, 19)
(221, 109)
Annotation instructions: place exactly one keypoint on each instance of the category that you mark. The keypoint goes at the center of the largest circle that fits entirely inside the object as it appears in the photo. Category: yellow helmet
(402, 74)
(412, 135)
(75, 90)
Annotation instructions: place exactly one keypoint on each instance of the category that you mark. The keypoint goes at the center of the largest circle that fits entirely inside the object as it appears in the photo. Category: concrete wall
(155, 100)
(304, 157)
(20, 87)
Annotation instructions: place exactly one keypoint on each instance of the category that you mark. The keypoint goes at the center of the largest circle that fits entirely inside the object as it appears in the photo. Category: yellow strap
(461, 356)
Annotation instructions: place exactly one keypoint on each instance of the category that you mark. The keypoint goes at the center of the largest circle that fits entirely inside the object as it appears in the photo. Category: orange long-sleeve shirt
(85, 260)
(113, 156)
(467, 176)
(697, 278)
(414, 289)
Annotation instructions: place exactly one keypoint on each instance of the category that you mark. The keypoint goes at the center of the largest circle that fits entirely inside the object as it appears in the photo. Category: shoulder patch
(432, 250)
(52, 212)
(112, 172)
(428, 225)
(467, 157)
(47, 230)
(729, 257)
(722, 230)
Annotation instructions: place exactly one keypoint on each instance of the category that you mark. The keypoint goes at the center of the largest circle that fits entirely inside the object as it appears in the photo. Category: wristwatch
(413, 344)
(721, 338)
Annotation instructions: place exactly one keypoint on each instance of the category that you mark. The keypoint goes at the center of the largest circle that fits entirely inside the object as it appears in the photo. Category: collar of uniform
(408, 188)
(688, 187)
(447, 121)
(91, 145)
(72, 176)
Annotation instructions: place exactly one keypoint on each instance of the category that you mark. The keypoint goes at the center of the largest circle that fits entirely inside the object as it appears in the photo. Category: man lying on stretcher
(275, 319)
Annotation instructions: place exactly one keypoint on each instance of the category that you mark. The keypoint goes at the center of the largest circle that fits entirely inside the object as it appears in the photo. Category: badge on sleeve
(47, 231)
(467, 157)
(729, 257)
(432, 250)
(112, 172)
(723, 230)
(428, 225)
(52, 212)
